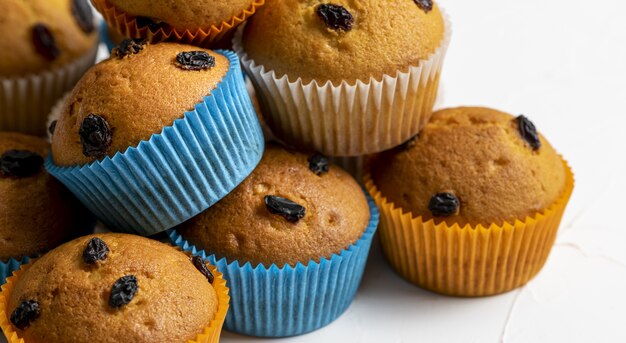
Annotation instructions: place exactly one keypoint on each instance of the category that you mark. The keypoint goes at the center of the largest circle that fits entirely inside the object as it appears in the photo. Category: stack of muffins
(162, 141)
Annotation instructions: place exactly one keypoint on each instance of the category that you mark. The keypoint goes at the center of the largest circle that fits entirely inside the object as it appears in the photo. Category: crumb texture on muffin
(137, 95)
(174, 302)
(290, 37)
(36, 212)
(18, 51)
(479, 156)
(185, 15)
(242, 227)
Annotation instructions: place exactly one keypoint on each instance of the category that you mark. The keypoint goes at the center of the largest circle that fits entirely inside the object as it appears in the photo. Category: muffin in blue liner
(7, 268)
(288, 301)
(179, 172)
(105, 36)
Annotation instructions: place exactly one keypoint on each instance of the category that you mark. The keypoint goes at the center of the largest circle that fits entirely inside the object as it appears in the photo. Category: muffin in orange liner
(210, 334)
(469, 260)
(126, 25)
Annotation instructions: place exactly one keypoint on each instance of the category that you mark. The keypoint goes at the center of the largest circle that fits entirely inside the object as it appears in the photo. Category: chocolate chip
(96, 250)
(425, 5)
(318, 164)
(148, 22)
(335, 17)
(444, 205)
(284, 207)
(95, 135)
(410, 143)
(45, 44)
(529, 132)
(195, 60)
(52, 127)
(24, 314)
(20, 163)
(83, 15)
(198, 262)
(123, 291)
(128, 47)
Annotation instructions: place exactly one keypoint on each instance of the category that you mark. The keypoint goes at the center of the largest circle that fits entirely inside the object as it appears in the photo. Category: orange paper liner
(126, 25)
(468, 261)
(210, 334)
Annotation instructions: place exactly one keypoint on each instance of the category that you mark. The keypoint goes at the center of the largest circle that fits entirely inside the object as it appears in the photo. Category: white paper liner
(348, 119)
(25, 102)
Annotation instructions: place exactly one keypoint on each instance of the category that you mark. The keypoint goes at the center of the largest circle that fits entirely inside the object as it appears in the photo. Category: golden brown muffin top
(137, 96)
(18, 18)
(241, 226)
(290, 37)
(185, 15)
(479, 156)
(36, 211)
(173, 303)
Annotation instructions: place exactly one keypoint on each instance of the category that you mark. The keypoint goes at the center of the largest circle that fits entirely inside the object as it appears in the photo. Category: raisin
(123, 291)
(318, 164)
(52, 127)
(444, 205)
(45, 44)
(128, 47)
(96, 250)
(284, 207)
(410, 143)
(20, 163)
(198, 262)
(83, 15)
(335, 17)
(529, 132)
(148, 22)
(24, 314)
(195, 60)
(425, 5)
(95, 135)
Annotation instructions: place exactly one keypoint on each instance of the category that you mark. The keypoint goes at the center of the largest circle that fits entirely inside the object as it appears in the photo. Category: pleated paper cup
(291, 300)
(126, 24)
(349, 119)
(179, 172)
(8, 267)
(210, 334)
(468, 261)
(26, 101)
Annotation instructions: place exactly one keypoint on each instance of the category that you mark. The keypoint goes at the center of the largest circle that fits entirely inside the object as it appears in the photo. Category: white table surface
(563, 64)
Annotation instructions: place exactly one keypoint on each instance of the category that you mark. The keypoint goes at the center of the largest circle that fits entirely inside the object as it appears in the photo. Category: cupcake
(338, 77)
(46, 47)
(156, 134)
(114, 288)
(195, 22)
(472, 205)
(292, 241)
(37, 213)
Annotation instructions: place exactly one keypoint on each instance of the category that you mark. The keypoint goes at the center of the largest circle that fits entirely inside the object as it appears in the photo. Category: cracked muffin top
(292, 208)
(472, 165)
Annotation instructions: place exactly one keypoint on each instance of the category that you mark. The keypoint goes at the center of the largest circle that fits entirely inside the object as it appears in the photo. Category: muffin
(196, 22)
(156, 134)
(115, 288)
(471, 205)
(46, 46)
(37, 213)
(338, 78)
(294, 215)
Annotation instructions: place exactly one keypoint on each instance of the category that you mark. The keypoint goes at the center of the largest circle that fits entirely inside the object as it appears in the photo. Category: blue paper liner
(7, 268)
(178, 173)
(290, 301)
(104, 36)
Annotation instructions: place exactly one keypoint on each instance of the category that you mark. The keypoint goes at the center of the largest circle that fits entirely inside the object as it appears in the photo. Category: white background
(563, 64)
